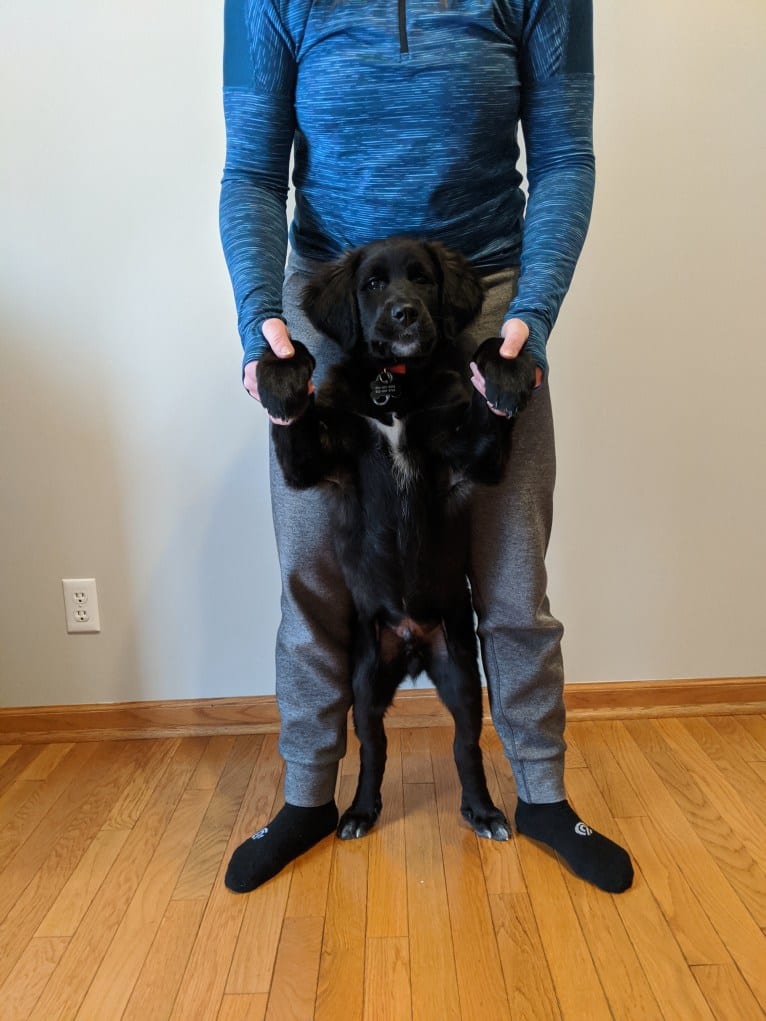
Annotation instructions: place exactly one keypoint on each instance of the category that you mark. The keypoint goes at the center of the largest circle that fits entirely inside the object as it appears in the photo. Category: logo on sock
(582, 830)
(260, 833)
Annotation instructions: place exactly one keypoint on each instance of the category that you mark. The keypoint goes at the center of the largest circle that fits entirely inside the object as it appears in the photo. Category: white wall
(128, 451)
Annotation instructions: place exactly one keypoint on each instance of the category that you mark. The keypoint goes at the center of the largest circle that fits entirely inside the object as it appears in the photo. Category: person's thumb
(514, 333)
(277, 337)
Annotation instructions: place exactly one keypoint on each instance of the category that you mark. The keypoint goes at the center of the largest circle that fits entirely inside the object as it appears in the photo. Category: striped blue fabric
(404, 119)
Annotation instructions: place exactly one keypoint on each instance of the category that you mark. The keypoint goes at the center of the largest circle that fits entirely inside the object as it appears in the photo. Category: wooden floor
(112, 904)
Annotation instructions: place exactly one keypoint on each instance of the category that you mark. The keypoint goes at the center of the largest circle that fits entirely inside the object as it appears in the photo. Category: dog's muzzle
(403, 330)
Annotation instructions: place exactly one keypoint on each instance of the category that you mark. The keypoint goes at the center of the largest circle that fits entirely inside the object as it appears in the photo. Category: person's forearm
(259, 133)
(561, 175)
(254, 235)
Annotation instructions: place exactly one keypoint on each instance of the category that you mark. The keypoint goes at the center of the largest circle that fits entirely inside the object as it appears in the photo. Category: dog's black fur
(397, 477)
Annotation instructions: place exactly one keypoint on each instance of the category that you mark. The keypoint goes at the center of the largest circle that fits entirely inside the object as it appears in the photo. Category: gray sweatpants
(520, 640)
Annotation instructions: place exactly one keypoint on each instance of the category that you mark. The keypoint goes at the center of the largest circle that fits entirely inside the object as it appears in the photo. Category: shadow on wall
(62, 517)
(215, 586)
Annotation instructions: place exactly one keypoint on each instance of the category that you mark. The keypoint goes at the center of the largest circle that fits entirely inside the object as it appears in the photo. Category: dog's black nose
(405, 315)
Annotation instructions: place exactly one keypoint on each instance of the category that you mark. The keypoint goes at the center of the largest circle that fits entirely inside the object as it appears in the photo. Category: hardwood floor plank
(702, 800)
(664, 965)
(499, 859)
(745, 733)
(340, 987)
(206, 854)
(38, 872)
(528, 979)
(481, 985)
(624, 980)
(7, 751)
(208, 773)
(387, 994)
(575, 980)
(160, 977)
(634, 990)
(22, 989)
(15, 765)
(432, 962)
(113, 983)
(387, 879)
(15, 825)
(204, 982)
(69, 907)
(501, 863)
(349, 765)
(734, 782)
(243, 1008)
(756, 728)
(128, 807)
(735, 925)
(64, 993)
(616, 789)
(46, 762)
(294, 988)
(727, 993)
(253, 963)
(310, 882)
(22, 814)
(574, 757)
(696, 936)
(416, 755)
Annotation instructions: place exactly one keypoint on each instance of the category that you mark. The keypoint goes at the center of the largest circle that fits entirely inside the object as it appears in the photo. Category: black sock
(590, 855)
(290, 833)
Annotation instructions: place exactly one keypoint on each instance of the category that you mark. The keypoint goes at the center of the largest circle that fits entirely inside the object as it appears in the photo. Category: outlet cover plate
(81, 605)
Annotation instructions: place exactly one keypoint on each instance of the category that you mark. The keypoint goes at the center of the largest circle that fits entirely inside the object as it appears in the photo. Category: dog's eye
(374, 284)
(419, 277)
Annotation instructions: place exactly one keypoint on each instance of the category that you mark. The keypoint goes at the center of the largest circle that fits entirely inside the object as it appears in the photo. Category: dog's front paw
(506, 383)
(357, 822)
(284, 384)
(489, 823)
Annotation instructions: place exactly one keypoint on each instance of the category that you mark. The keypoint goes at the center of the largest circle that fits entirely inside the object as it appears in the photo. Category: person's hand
(278, 339)
(506, 384)
(515, 334)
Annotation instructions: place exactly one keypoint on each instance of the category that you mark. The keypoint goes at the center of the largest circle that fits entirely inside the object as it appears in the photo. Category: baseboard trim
(419, 707)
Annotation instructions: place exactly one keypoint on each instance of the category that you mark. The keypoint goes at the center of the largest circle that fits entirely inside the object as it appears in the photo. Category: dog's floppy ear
(462, 293)
(329, 301)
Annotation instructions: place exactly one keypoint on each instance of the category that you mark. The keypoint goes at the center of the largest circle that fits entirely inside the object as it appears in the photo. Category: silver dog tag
(384, 387)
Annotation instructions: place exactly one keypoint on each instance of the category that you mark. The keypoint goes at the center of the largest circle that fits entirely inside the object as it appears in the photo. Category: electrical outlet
(81, 604)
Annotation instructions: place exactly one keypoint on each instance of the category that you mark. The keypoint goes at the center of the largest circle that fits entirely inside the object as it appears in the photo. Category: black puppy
(397, 436)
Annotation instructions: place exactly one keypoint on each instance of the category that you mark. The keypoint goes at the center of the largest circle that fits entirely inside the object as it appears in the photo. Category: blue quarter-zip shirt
(404, 117)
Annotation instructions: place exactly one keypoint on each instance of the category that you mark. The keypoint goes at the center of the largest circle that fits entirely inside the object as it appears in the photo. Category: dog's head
(397, 300)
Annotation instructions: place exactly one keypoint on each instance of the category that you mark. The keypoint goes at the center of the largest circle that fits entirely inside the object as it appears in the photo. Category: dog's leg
(374, 683)
(453, 669)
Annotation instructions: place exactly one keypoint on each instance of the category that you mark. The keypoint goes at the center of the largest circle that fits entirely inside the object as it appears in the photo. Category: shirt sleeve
(557, 121)
(258, 96)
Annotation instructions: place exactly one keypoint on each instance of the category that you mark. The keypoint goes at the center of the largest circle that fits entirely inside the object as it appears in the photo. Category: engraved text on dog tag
(384, 387)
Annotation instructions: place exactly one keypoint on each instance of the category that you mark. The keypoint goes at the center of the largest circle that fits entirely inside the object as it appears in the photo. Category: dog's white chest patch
(401, 464)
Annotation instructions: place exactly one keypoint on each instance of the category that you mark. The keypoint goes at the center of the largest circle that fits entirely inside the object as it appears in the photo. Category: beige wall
(128, 451)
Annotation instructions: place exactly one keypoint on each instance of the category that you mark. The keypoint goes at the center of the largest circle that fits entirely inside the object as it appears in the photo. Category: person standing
(403, 119)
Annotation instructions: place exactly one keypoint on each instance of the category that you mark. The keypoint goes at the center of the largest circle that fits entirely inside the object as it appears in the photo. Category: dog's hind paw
(354, 824)
(491, 824)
